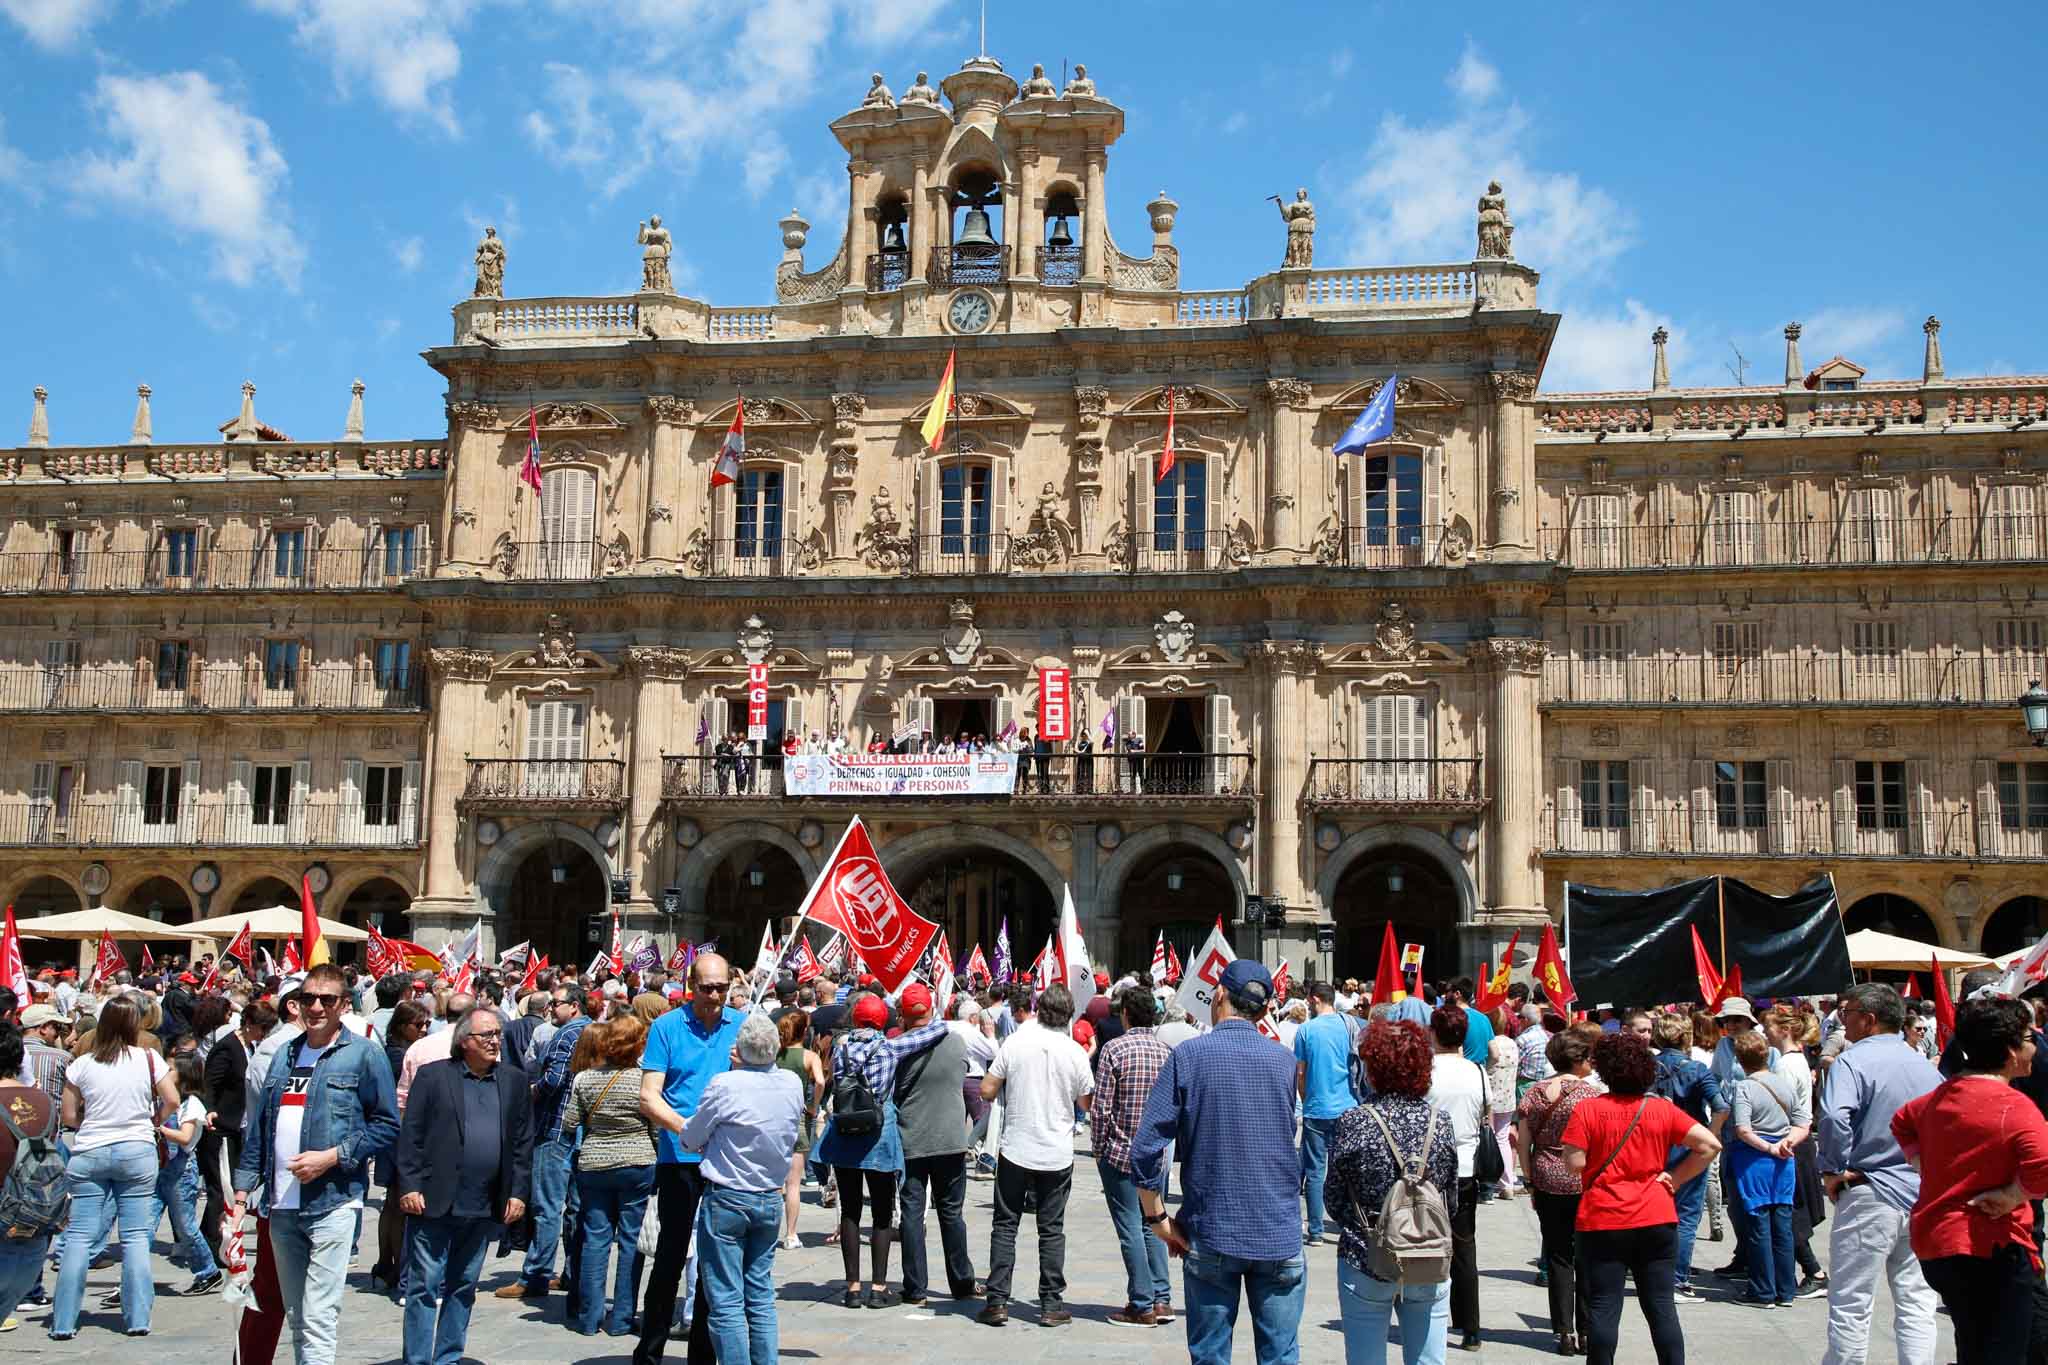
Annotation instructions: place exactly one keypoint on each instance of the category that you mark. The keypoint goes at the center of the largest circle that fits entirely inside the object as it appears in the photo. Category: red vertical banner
(1055, 703)
(757, 701)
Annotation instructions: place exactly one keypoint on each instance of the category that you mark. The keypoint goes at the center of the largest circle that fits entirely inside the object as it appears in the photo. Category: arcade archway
(2017, 924)
(1174, 888)
(1397, 886)
(261, 894)
(755, 882)
(1891, 914)
(379, 904)
(975, 882)
(161, 899)
(556, 899)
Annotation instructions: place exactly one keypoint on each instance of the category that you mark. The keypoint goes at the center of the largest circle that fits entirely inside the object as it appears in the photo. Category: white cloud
(410, 254)
(577, 134)
(1237, 122)
(55, 24)
(1597, 351)
(765, 160)
(1473, 78)
(215, 315)
(13, 165)
(404, 51)
(1417, 190)
(186, 155)
(1846, 331)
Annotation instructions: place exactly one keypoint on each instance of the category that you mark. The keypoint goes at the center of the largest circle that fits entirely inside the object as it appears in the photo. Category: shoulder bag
(1488, 1166)
(1598, 1171)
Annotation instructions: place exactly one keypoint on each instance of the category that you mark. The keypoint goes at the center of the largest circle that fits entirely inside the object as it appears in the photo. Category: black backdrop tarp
(1635, 947)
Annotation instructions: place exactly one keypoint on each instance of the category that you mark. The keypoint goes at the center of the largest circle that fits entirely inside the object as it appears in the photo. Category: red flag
(212, 982)
(109, 962)
(1703, 968)
(529, 468)
(465, 980)
(727, 469)
(243, 949)
(1386, 981)
(853, 895)
(13, 972)
(534, 963)
(679, 960)
(1493, 986)
(1911, 990)
(1944, 1006)
(1266, 1029)
(1732, 985)
(1550, 972)
(804, 963)
(1174, 966)
(148, 960)
(618, 949)
(977, 966)
(313, 948)
(1282, 979)
(1166, 450)
(294, 957)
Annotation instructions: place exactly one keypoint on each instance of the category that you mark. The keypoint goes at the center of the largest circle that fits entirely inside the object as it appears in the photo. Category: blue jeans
(736, 1256)
(550, 1193)
(1144, 1254)
(1368, 1305)
(445, 1256)
(176, 1192)
(1315, 1167)
(312, 1254)
(118, 1180)
(613, 1204)
(1773, 1274)
(21, 1265)
(1691, 1198)
(1277, 1290)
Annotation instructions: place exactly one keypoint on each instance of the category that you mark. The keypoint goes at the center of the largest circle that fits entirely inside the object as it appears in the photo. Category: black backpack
(856, 1109)
(35, 1201)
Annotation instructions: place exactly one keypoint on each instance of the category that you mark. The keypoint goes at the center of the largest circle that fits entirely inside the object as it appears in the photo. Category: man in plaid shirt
(1124, 1074)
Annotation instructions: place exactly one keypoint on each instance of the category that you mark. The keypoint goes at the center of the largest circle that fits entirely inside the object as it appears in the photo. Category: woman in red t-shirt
(1982, 1151)
(1628, 1220)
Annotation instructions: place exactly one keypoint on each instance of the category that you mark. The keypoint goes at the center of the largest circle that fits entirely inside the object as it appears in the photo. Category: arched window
(568, 524)
(1059, 255)
(890, 265)
(976, 255)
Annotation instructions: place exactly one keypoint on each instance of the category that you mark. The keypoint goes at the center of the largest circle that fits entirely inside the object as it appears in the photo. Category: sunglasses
(327, 1002)
(717, 987)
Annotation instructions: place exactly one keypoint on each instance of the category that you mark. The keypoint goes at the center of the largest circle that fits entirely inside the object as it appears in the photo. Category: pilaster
(476, 434)
(1289, 666)
(659, 671)
(1513, 466)
(458, 679)
(1516, 757)
(1091, 404)
(842, 470)
(1286, 456)
(667, 419)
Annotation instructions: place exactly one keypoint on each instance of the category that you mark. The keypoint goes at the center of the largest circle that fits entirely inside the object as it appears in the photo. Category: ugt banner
(1055, 703)
(757, 701)
(853, 895)
(987, 774)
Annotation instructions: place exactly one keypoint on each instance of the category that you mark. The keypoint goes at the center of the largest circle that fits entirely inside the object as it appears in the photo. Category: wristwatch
(1162, 1218)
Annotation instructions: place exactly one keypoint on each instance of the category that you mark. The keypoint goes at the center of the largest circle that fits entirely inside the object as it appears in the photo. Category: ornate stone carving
(490, 267)
(1116, 546)
(662, 407)
(878, 96)
(572, 415)
(1300, 217)
(464, 516)
(1329, 543)
(1241, 545)
(1301, 657)
(846, 411)
(697, 553)
(473, 416)
(618, 554)
(1606, 736)
(1457, 541)
(462, 665)
(505, 554)
(1742, 736)
(1511, 385)
(1039, 85)
(810, 551)
(921, 91)
(1518, 655)
(1048, 539)
(755, 639)
(654, 238)
(883, 544)
(661, 511)
(1506, 495)
(664, 662)
(1289, 393)
(962, 638)
(792, 285)
(1496, 232)
(1395, 633)
(1091, 401)
(557, 646)
(1878, 736)
(1175, 636)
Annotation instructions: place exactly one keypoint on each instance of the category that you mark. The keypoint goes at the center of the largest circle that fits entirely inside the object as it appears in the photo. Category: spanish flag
(934, 429)
(314, 949)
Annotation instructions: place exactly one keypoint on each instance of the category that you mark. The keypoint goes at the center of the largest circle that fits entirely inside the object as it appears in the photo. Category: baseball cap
(870, 1012)
(35, 1016)
(916, 999)
(1247, 978)
(1102, 981)
(865, 980)
(187, 979)
(1735, 1007)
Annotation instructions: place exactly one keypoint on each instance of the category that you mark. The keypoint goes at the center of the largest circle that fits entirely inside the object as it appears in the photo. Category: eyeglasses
(495, 1039)
(715, 987)
(325, 1002)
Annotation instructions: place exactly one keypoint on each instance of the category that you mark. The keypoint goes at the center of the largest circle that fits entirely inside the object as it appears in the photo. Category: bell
(892, 238)
(974, 229)
(1062, 235)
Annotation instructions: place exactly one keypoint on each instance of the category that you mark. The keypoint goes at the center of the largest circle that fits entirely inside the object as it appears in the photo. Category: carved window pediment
(1414, 393)
(575, 417)
(975, 407)
(763, 411)
(1189, 400)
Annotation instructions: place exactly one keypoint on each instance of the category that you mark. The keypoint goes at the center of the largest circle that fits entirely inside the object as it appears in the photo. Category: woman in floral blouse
(1554, 1187)
(1363, 1168)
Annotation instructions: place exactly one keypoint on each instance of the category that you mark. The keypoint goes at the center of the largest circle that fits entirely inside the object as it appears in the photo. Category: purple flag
(703, 728)
(1109, 725)
(1002, 962)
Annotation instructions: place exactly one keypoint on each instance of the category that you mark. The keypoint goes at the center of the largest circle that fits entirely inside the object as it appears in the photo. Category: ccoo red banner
(1055, 703)
(853, 895)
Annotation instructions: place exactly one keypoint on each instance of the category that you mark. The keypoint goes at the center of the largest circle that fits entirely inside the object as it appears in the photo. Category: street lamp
(2034, 710)
(1174, 877)
(756, 876)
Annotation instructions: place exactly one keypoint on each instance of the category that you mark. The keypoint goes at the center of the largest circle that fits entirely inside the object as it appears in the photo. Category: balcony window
(757, 515)
(568, 523)
(1392, 505)
(394, 664)
(1734, 529)
(2012, 521)
(554, 749)
(271, 794)
(1867, 529)
(400, 551)
(1739, 794)
(280, 665)
(1874, 649)
(173, 665)
(383, 793)
(1180, 507)
(1596, 532)
(1603, 794)
(964, 509)
(1880, 795)
(288, 555)
(2023, 796)
(1738, 647)
(181, 552)
(163, 789)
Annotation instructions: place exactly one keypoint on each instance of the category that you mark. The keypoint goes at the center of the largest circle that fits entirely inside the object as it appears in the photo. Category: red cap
(187, 979)
(916, 999)
(1102, 981)
(866, 980)
(870, 1012)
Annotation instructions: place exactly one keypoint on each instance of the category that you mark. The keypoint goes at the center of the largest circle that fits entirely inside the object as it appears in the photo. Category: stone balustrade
(282, 459)
(1384, 288)
(596, 319)
(740, 324)
(1210, 308)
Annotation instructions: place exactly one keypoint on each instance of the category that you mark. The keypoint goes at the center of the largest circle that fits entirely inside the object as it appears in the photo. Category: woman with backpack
(1393, 1191)
(33, 1196)
(1617, 1143)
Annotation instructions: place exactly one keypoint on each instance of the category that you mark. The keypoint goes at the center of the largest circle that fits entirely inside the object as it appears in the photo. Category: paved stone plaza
(815, 1327)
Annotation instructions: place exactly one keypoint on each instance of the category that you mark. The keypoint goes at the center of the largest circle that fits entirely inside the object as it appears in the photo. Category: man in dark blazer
(227, 1077)
(465, 1150)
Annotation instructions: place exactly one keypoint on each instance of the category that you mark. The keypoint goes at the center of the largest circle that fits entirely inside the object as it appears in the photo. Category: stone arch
(1894, 912)
(1408, 838)
(501, 861)
(188, 902)
(348, 878)
(27, 876)
(905, 858)
(693, 875)
(129, 880)
(1116, 869)
(239, 878)
(2016, 922)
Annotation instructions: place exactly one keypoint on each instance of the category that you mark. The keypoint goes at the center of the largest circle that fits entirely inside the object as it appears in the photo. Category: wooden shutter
(1006, 715)
(1220, 741)
(350, 826)
(1921, 813)
(1565, 779)
(793, 718)
(128, 798)
(1783, 808)
(1702, 805)
(722, 499)
(241, 789)
(1643, 823)
(408, 804)
(1130, 719)
(188, 800)
(925, 719)
(1143, 491)
(1351, 505)
(1432, 505)
(1845, 806)
(40, 813)
(719, 720)
(1216, 536)
(998, 513)
(423, 549)
(926, 550)
(1985, 773)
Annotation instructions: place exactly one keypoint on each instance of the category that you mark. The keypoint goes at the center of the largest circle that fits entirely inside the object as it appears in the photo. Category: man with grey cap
(1225, 1100)
(1735, 1016)
(43, 1062)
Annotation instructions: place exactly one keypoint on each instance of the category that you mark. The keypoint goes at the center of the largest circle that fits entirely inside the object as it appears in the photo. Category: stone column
(1094, 233)
(918, 224)
(842, 469)
(659, 671)
(1513, 464)
(458, 680)
(475, 435)
(1283, 765)
(1286, 450)
(1516, 756)
(662, 544)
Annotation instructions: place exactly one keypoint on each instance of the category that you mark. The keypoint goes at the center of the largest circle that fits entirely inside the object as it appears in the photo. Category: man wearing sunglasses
(327, 1108)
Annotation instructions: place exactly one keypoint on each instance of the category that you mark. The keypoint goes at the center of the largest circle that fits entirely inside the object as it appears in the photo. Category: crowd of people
(642, 1146)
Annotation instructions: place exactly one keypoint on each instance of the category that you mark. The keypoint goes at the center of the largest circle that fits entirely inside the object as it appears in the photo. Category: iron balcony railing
(1059, 267)
(550, 561)
(545, 782)
(1874, 679)
(1798, 827)
(205, 820)
(755, 557)
(1997, 538)
(1384, 547)
(329, 569)
(1394, 782)
(1177, 552)
(962, 552)
(887, 270)
(1055, 777)
(147, 687)
(969, 265)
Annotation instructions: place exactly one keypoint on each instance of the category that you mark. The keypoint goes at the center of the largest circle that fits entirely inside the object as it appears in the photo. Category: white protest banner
(1198, 985)
(984, 774)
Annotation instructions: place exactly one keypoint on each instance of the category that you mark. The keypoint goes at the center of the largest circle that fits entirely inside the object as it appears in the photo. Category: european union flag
(1376, 423)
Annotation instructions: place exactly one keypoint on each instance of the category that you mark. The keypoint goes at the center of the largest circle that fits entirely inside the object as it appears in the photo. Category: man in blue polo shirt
(685, 1049)
(1322, 1058)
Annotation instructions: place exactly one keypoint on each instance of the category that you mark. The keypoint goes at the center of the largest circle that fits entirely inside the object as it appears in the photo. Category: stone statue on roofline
(490, 266)
(921, 91)
(1081, 85)
(1300, 217)
(878, 96)
(654, 278)
(1496, 232)
(1039, 86)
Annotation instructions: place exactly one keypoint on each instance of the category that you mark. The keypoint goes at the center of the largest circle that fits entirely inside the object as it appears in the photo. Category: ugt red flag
(1386, 981)
(109, 962)
(244, 950)
(1944, 1007)
(1173, 965)
(1550, 972)
(13, 971)
(536, 963)
(853, 895)
(1911, 990)
(977, 968)
(1282, 979)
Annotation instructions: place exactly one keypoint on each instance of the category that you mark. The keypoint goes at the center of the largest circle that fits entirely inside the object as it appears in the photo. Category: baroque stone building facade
(1402, 686)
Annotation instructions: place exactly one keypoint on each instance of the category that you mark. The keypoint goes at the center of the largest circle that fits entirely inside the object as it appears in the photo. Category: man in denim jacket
(328, 1108)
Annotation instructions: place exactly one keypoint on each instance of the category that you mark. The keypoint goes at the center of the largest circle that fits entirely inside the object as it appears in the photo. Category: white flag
(1159, 966)
(1198, 983)
(1071, 951)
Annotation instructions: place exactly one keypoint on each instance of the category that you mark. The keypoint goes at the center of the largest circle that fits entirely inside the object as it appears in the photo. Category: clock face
(205, 879)
(971, 312)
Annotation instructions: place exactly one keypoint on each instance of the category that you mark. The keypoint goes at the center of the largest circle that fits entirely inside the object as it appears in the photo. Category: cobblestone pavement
(815, 1327)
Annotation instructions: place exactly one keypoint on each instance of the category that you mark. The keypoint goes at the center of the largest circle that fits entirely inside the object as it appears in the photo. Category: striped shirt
(1123, 1080)
(877, 1057)
(43, 1067)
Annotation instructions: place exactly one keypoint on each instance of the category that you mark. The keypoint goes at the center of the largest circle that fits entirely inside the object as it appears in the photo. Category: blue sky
(195, 192)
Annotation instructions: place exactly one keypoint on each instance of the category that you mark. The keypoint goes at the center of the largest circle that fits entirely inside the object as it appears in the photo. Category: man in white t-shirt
(1458, 1087)
(1041, 1074)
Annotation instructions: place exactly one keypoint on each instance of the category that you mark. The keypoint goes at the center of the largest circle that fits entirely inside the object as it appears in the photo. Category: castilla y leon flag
(1550, 972)
(853, 895)
(529, 467)
(934, 428)
(1493, 985)
(1166, 450)
(1386, 980)
(1159, 958)
(727, 470)
(1198, 990)
(315, 951)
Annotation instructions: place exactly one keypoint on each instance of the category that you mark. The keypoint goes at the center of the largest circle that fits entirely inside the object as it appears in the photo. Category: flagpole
(1721, 912)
